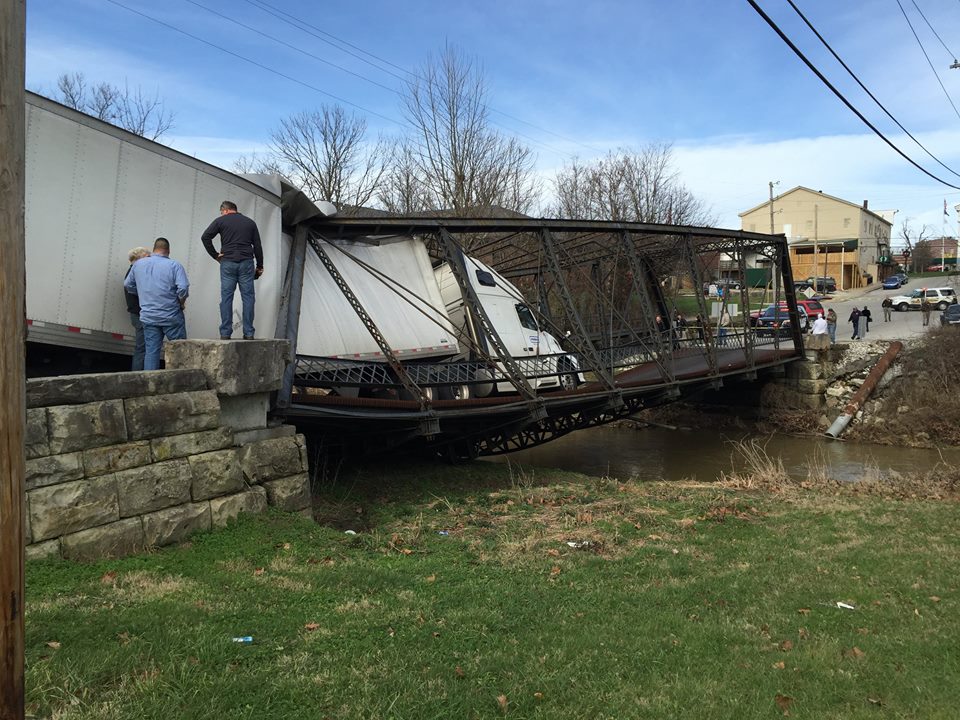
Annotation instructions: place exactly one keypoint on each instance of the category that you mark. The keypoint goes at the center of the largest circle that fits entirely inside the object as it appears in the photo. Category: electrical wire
(322, 35)
(840, 95)
(924, 51)
(865, 89)
(254, 62)
(291, 46)
(316, 32)
(936, 34)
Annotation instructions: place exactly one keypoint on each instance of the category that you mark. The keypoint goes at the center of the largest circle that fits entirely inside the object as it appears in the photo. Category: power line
(865, 89)
(951, 54)
(923, 50)
(322, 35)
(840, 95)
(253, 62)
(290, 45)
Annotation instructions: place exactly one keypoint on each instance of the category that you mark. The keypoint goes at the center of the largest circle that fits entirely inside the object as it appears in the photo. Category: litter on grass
(844, 606)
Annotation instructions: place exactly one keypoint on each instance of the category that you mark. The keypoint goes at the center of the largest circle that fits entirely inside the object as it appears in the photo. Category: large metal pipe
(861, 395)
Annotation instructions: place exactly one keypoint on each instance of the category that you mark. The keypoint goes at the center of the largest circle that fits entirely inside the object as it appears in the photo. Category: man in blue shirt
(162, 286)
(241, 262)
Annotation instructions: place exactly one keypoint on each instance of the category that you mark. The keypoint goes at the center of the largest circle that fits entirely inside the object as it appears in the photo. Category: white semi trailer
(94, 191)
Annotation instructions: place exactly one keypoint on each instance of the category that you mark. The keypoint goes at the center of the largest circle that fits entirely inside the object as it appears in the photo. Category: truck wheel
(454, 392)
(941, 306)
(567, 376)
(902, 307)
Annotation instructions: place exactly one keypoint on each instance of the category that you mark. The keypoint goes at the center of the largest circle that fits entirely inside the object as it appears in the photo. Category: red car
(813, 308)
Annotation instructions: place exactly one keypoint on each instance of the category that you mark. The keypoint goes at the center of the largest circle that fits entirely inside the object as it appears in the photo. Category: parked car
(950, 316)
(903, 278)
(939, 297)
(776, 321)
(892, 283)
(812, 307)
(935, 268)
(822, 284)
(725, 283)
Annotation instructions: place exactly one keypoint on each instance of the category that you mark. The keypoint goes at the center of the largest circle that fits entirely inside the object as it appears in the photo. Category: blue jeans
(139, 343)
(233, 273)
(832, 329)
(154, 335)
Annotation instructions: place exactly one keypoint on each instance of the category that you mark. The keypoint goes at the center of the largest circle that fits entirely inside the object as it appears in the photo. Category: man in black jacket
(241, 262)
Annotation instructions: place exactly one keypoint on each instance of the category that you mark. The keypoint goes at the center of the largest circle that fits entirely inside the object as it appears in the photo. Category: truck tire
(902, 307)
(567, 376)
(941, 306)
(454, 392)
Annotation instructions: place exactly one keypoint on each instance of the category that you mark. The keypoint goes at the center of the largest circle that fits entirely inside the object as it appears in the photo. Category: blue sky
(572, 78)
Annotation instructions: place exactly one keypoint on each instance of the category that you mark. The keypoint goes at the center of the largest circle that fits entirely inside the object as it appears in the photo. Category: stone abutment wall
(120, 462)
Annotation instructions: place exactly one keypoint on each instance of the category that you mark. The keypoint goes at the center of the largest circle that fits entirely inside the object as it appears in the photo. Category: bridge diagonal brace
(709, 339)
(749, 335)
(639, 271)
(388, 354)
(578, 338)
(454, 257)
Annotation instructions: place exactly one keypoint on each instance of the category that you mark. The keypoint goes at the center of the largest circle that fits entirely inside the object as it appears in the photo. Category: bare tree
(628, 185)
(453, 156)
(327, 154)
(917, 243)
(402, 190)
(130, 109)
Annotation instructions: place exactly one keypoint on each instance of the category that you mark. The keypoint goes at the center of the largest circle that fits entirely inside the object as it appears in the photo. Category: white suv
(939, 298)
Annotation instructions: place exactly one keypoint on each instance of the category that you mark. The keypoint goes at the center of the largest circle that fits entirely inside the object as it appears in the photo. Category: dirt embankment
(917, 404)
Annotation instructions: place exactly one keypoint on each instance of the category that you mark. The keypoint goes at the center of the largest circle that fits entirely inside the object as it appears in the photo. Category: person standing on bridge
(832, 325)
(723, 322)
(925, 308)
(865, 318)
(887, 306)
(162, 287)
(241, 262)
(855, 321)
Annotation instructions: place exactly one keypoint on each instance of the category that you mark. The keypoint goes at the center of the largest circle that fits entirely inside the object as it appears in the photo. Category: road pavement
(903, 326)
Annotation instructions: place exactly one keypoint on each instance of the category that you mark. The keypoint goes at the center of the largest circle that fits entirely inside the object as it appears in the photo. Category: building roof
(817, 192)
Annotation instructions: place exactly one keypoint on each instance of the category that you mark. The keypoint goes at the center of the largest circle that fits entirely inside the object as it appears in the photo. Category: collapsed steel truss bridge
(607, 290)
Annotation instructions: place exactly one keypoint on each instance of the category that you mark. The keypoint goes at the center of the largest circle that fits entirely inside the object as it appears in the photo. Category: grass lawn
(461, 596)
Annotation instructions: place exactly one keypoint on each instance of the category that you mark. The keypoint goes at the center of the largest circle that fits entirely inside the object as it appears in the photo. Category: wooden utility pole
(12, 324)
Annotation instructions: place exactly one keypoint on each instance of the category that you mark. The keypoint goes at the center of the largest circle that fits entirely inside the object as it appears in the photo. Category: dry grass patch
(145, 586)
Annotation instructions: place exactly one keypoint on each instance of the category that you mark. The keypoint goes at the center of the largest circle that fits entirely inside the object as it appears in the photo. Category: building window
(846, 222)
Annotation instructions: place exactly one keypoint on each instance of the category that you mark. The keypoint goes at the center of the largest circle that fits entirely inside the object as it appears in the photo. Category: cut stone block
(215, 473)
(247, 437)
(151, 417)
(225, 509)
(175, 524)
(124, 537)
(245, 412)
(289, 494)
(73, 506)
(233, 368)
(77, 389)
(43, 550)
(271, 460)
(53, 470)
(113, 458)
(35, 439)
(176, 446)
(78, 427)
(152, 487)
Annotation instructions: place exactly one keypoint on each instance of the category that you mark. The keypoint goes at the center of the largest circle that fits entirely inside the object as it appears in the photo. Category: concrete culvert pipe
(861, 395)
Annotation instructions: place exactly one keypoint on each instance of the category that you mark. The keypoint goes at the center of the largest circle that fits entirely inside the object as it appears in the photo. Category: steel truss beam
(388, 354)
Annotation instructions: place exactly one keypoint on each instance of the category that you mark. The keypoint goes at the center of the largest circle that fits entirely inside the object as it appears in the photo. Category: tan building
(828, 236)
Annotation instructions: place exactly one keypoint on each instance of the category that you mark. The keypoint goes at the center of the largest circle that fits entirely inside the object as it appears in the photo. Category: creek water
(702, 455)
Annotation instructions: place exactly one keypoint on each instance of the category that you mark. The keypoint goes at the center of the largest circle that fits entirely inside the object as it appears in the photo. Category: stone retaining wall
(120, 462)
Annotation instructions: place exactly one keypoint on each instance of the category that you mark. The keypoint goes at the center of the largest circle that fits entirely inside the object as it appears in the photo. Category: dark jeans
(139, 342)
(233, 273)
